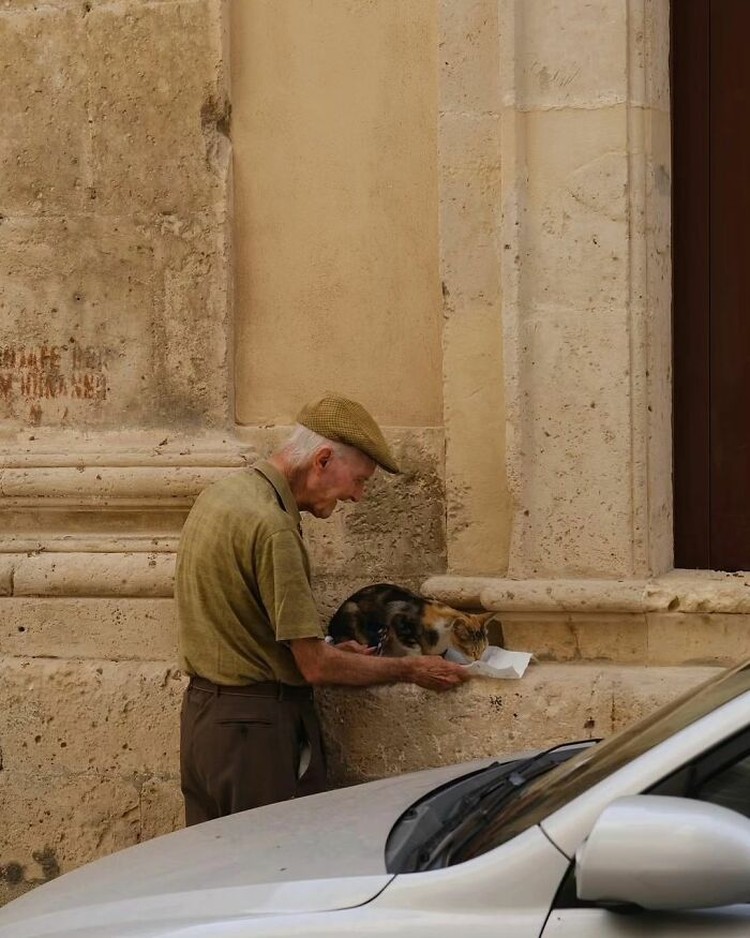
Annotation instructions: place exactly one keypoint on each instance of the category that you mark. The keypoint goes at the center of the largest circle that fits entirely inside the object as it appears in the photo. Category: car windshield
(545, 794)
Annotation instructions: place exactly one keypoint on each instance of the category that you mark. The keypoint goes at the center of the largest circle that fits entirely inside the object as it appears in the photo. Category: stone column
(478, 508)
(586, 285)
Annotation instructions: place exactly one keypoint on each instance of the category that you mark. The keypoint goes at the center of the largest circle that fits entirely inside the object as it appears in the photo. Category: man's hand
(355, 647)
(434, 673)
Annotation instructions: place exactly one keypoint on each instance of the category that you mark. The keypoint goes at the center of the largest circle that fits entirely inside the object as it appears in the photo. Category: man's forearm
(321, 663)
(334, 666)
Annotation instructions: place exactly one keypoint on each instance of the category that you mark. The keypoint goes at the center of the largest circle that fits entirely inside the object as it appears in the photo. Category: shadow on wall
(15, 879)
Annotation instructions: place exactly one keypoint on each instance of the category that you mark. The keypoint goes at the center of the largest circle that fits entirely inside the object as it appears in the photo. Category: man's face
(334, 478)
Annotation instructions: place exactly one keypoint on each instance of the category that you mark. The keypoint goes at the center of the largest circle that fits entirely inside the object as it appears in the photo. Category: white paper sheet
(495, 662)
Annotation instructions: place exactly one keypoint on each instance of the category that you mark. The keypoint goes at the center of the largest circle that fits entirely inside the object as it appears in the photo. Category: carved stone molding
(131, 494)
(680, 591)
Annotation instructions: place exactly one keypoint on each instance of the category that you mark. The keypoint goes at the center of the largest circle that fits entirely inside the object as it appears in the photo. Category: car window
(729, 788)
(720, 776)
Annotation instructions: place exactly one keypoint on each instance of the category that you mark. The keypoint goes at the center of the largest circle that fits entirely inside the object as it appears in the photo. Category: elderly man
(250, 635)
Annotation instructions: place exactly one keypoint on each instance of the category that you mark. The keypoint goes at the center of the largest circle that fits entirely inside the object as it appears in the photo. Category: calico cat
(398, 622)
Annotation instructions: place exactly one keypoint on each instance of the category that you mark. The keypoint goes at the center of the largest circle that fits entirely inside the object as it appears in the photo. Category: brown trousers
(243, 747)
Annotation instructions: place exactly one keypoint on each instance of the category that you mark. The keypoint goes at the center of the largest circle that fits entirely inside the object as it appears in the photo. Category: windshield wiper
(470, 813)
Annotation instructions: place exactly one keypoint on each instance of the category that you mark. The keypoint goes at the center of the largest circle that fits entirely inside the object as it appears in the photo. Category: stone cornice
(106, 485)
(144, 568)
(693, 591)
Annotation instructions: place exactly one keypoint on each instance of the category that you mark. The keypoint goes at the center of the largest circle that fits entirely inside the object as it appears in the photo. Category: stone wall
(456, 211)
(114, 392)
(120, 397)
(89, 689)
(586, 286)
(334, 129)
(479, 510)
(114, 230)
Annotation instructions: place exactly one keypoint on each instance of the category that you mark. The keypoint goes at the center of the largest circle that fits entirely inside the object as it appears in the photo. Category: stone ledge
(78, 495)
(652, 639)
(72, 494)
(107, 486)
(120, 628)
(698, 591)
(142, 565)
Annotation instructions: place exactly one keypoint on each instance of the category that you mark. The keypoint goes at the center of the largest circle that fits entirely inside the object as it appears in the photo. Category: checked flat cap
(345, 421)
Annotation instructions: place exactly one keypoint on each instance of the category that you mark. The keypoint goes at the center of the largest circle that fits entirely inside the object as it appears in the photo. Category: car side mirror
(662, 853)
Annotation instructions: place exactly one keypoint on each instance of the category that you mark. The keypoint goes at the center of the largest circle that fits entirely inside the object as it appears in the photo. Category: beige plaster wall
(334, 125)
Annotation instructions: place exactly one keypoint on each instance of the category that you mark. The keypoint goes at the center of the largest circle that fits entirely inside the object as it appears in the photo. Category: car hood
(312, 854)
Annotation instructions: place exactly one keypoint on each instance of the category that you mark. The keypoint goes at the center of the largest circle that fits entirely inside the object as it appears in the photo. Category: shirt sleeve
(284, 583)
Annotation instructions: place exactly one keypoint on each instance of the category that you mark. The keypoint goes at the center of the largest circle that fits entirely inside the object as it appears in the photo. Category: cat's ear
(498, 634)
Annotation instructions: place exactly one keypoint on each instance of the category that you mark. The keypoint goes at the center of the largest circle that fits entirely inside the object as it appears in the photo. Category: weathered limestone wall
(586, 285)
(89, 690)
(119, 396)
(471, 198)
(468, 185)
(554, 167)
(368, 737)
(115, 336)
(114, 239)
(555, 224)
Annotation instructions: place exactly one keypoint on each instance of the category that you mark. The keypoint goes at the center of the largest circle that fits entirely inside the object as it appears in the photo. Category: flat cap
(344, 421)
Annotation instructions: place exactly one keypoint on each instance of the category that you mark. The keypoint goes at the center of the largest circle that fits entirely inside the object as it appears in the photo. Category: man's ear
(322, 457)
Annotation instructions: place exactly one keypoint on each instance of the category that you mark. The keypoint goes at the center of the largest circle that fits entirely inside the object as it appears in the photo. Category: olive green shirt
(242, 582)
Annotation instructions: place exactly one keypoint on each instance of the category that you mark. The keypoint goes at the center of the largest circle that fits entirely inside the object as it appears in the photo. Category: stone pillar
(478, 508)
(586, 285)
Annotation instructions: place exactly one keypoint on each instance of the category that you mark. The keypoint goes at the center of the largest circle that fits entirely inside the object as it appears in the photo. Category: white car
(645, 834)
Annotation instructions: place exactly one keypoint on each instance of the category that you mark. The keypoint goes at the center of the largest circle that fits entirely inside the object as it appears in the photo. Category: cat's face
(469, 634)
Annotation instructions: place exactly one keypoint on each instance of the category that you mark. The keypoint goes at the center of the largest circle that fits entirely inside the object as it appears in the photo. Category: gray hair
(302, 444)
